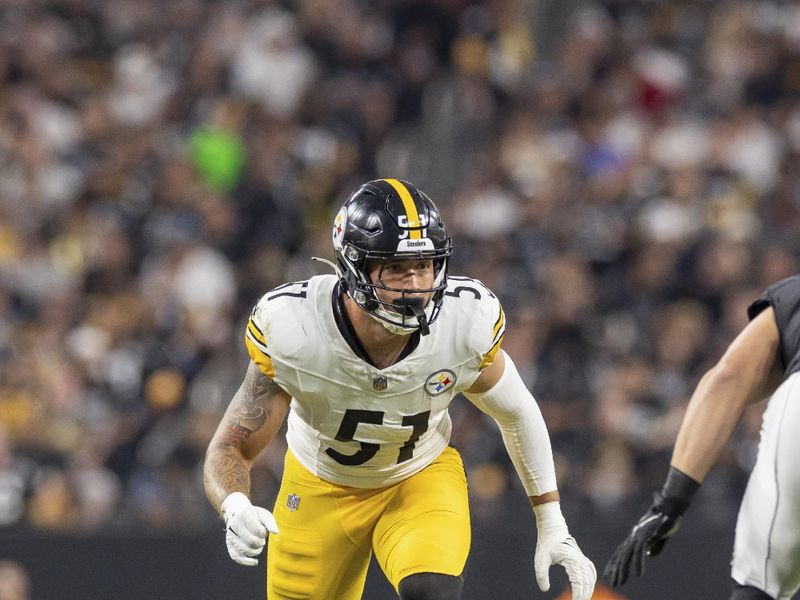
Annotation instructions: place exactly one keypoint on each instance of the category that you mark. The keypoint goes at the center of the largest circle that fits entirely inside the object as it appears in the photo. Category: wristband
(549, 517)
(677, 492)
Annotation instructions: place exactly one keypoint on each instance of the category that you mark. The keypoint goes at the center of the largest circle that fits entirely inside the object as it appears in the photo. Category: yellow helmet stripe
(411, 210)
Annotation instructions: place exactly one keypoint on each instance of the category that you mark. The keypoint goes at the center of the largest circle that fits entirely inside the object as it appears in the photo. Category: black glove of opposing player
(655, 527)
(646, 538)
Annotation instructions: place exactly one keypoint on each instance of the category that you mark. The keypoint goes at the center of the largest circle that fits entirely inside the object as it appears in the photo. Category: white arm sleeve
(524, 432)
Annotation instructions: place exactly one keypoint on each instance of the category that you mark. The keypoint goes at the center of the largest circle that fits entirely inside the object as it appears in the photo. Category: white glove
(555, 546)
(246, 528)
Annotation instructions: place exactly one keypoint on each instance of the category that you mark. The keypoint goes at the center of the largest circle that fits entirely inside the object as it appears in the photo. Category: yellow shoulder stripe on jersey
(489, 357)
(411, 210)
(498, 333)
(499, 324)
(257, 334)
(257, 349)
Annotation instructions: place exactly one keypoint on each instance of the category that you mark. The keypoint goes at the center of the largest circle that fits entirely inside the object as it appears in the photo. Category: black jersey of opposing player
(784, 298)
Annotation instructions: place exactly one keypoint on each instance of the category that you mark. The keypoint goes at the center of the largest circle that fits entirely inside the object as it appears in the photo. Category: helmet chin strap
(415, 315)
(414, 306)
(391, 327)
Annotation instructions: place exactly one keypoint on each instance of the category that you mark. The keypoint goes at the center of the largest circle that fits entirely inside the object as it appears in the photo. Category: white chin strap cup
(386, 318)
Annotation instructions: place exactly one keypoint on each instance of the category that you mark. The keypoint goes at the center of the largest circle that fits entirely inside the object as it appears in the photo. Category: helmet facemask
(405, 313)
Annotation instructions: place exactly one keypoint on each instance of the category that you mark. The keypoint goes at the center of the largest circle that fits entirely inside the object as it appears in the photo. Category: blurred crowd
(625, 175)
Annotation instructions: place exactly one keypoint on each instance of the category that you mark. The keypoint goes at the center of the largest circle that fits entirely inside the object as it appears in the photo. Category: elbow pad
(524, 432)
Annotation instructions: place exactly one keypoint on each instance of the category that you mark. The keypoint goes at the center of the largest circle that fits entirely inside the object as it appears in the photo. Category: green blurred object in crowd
(219, 157)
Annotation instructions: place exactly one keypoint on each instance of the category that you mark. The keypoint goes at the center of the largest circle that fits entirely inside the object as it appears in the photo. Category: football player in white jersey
(763, 361)
(365, 364)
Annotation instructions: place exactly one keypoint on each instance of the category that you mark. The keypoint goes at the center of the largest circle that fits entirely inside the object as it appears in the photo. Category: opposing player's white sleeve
(524, 432)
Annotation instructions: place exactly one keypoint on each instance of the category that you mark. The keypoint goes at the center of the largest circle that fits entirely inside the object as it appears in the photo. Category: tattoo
(224, 473)
(242, 422)
(250, 408)
(226, 470)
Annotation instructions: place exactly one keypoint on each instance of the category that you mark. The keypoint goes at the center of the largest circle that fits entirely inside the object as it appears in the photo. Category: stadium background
(623, 174)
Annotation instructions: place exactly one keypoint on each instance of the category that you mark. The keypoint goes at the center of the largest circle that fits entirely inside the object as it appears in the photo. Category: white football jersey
(354, 424)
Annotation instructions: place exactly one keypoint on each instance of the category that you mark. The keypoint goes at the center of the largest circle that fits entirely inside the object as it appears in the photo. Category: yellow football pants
(328, 532)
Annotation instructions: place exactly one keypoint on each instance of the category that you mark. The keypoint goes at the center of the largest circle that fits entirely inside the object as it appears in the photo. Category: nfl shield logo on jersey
(380, 383)
(293, 502)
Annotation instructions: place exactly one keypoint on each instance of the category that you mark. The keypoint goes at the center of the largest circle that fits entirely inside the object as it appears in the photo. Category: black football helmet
(389, 219)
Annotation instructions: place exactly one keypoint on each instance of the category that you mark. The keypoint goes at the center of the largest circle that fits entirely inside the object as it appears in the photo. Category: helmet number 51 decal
(402, 222)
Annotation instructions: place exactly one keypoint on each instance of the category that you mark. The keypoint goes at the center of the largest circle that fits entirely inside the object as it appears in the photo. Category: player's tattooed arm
(252, 419)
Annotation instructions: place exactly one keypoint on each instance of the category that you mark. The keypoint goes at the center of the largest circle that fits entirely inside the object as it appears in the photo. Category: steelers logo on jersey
(440, 382)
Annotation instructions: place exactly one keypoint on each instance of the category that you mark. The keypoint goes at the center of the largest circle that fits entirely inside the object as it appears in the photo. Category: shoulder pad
(487, 321)
(277, 314)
